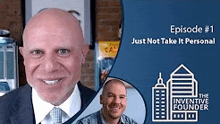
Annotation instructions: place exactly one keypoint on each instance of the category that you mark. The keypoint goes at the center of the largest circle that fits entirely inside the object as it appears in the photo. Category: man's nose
(117, 100)
(50, 63)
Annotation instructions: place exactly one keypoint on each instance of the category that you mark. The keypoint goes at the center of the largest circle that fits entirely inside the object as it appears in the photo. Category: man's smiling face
(114, 100)
(53, 54)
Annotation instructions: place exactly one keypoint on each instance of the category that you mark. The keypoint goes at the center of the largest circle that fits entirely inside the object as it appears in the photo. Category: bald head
(112, 81)
(54, 21)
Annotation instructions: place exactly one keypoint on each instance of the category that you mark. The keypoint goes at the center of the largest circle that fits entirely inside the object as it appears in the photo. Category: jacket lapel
(23, 112)
(86, 95)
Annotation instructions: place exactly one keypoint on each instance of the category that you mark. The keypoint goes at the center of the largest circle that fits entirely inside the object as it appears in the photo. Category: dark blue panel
(140, 64)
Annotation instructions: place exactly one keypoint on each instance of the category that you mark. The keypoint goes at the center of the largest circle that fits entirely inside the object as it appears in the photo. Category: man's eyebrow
(110, 93)
(64, 47)
(35, 48)
(123, 95)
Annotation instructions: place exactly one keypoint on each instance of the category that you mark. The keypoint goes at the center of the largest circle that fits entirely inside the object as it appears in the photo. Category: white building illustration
(159, 100)
(169, 102)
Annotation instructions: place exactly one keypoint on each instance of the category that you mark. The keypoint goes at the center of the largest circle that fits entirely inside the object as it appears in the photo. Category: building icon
(159, 101)
(169, 101)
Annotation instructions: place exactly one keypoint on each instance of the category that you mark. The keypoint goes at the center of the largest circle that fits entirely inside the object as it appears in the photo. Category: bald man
(114, 102)
(53, 51)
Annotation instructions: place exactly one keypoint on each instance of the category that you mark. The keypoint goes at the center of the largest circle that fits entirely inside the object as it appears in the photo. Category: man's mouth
(115, 107)
(51, 82)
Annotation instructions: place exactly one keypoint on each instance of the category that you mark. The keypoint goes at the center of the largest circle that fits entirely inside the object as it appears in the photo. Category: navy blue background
(140, 64)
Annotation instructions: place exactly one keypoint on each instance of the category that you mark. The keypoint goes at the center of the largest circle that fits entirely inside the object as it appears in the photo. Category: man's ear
(101, 99)
(85, 50)
(21, 50)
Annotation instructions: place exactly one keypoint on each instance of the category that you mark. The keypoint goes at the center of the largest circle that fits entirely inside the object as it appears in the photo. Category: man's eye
(36, 52)
(63, 51)
(122, 97)
(110, 95)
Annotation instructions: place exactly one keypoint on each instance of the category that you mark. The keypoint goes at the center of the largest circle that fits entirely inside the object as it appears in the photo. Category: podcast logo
(178, 100)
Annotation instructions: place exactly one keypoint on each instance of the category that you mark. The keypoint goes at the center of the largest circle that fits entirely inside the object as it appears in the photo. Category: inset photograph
(116, 102)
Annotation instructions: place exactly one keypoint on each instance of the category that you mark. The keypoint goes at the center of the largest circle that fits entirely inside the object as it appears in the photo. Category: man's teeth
(51, 82)
(115, 107)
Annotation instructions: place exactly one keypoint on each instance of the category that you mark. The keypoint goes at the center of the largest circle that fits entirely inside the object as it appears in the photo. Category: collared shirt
(97, 118)
(69, 108)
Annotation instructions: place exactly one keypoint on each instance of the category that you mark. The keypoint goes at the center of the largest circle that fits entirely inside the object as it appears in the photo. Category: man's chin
(51, 98)
(115, 115)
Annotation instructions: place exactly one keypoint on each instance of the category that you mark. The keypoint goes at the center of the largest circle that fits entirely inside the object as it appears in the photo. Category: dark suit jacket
(16, 106)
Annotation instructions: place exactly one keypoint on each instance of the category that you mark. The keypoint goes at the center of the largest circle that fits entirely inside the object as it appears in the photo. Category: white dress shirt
(69, 108)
